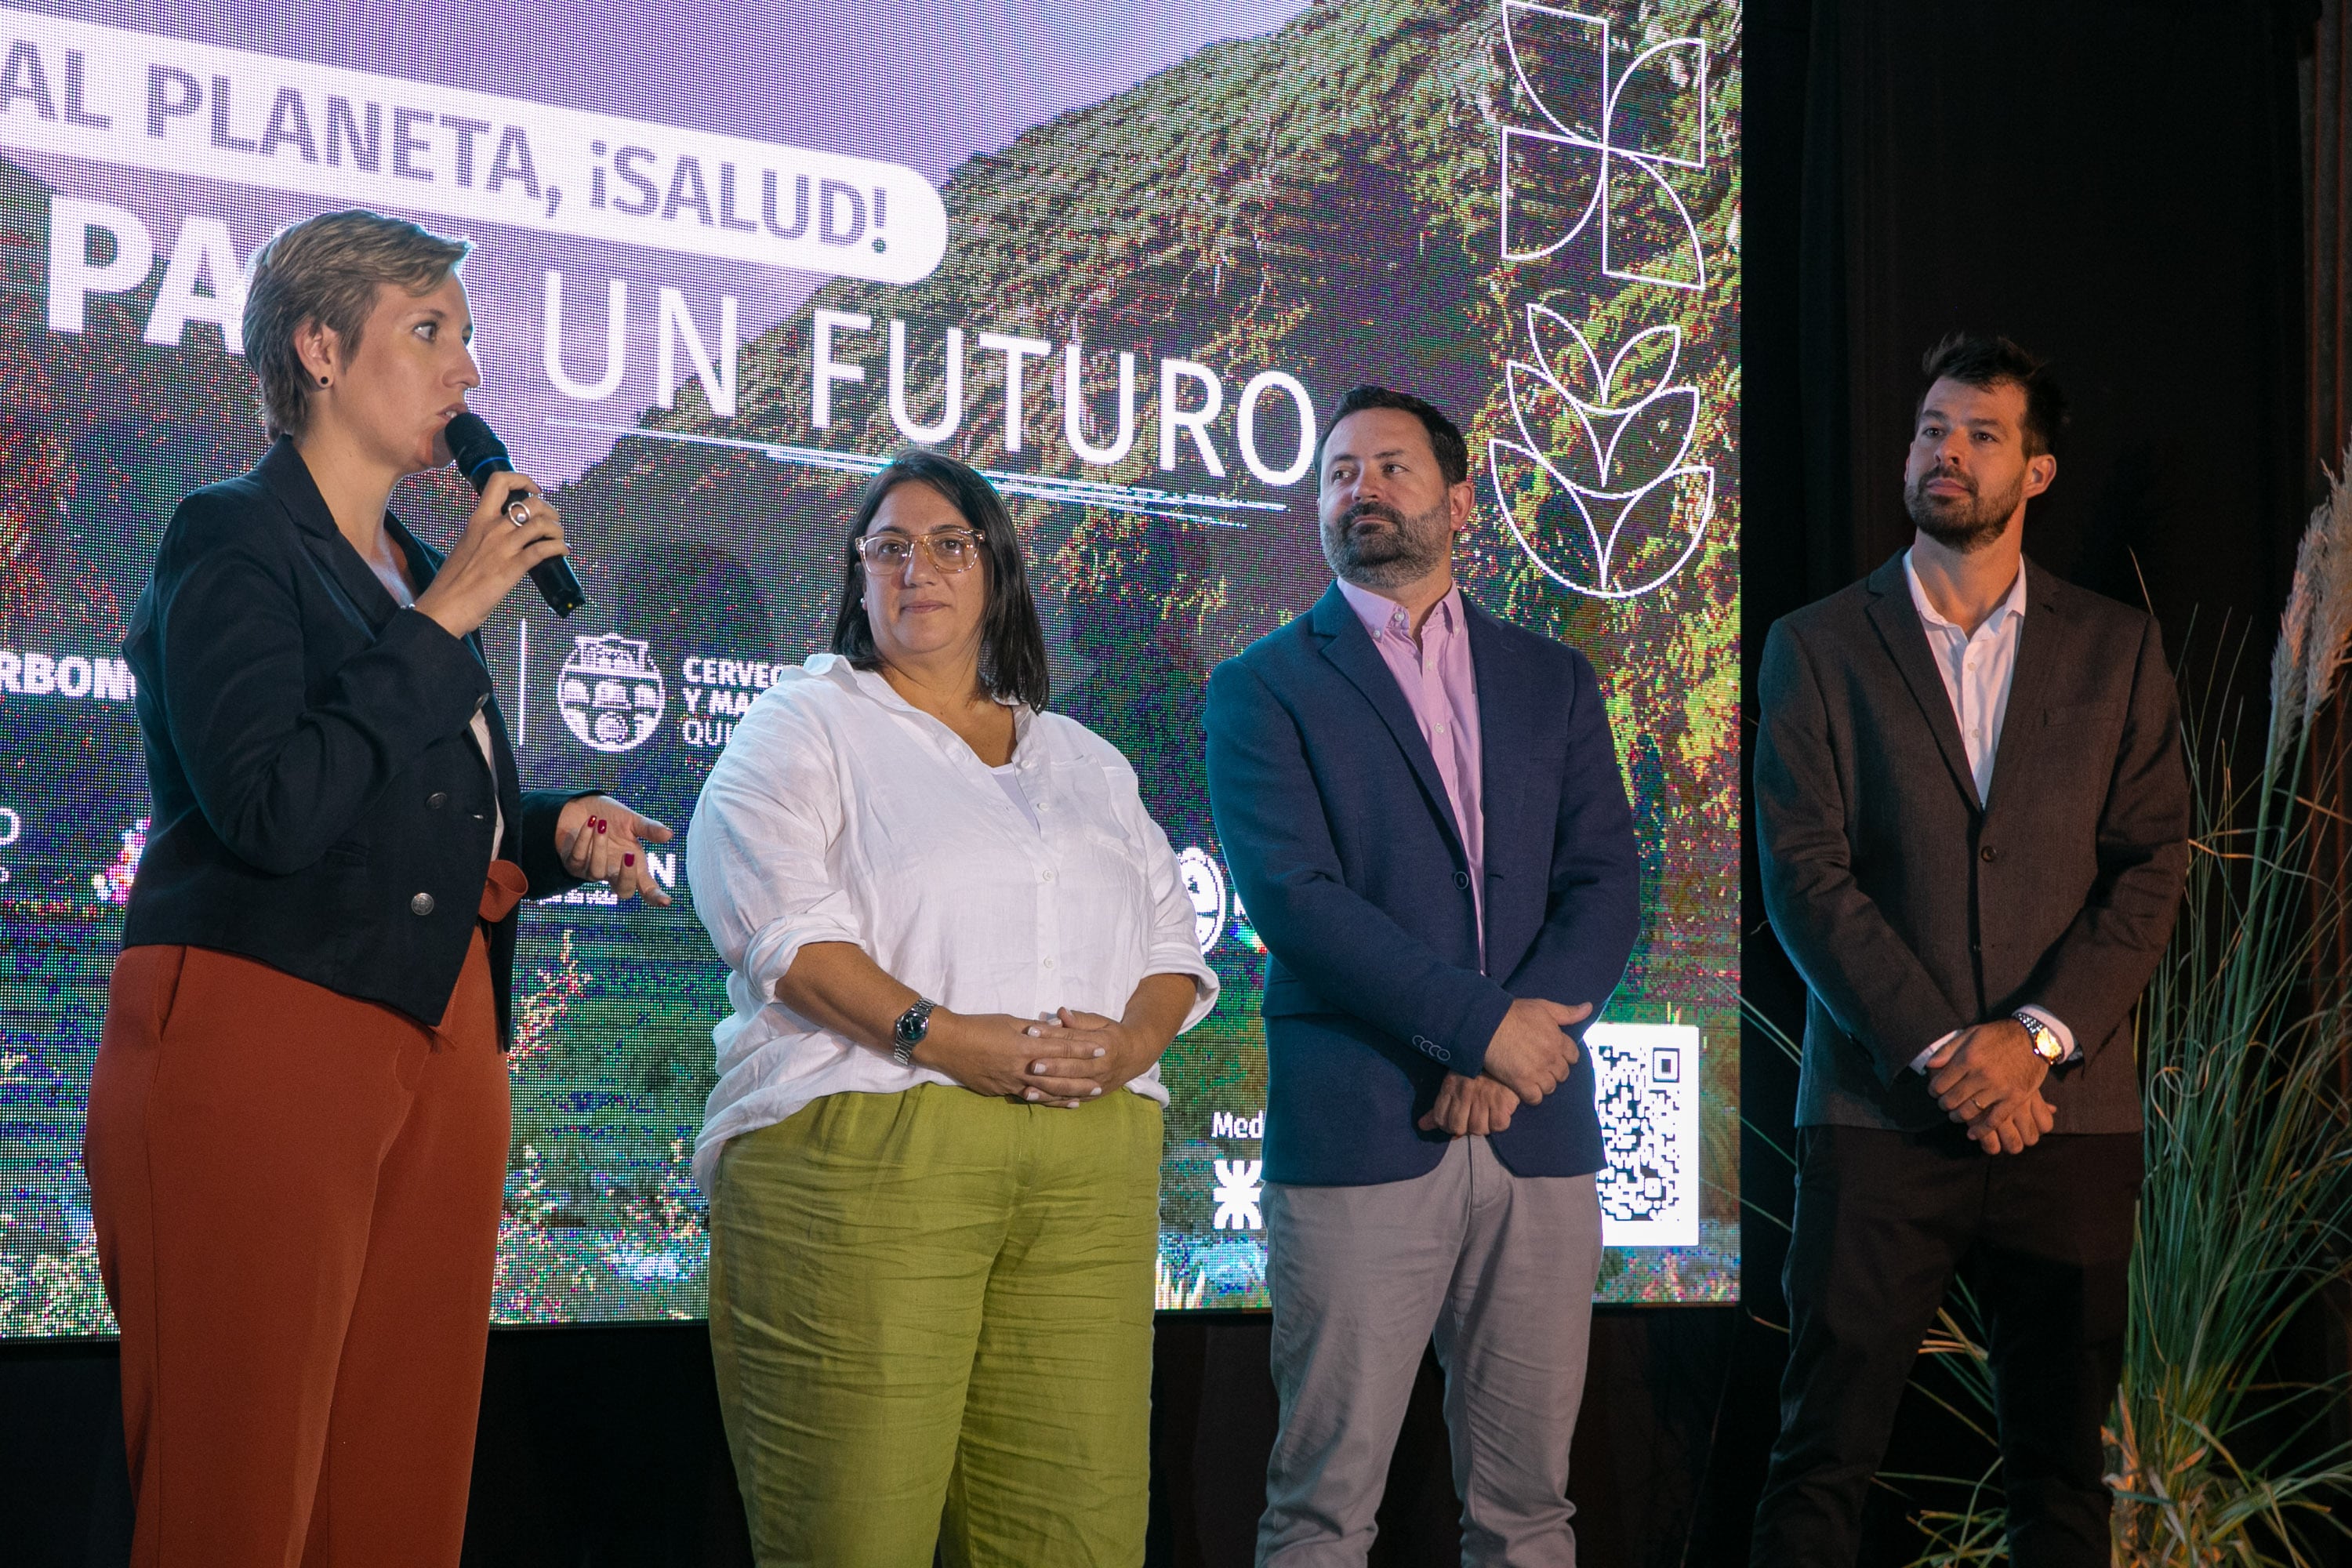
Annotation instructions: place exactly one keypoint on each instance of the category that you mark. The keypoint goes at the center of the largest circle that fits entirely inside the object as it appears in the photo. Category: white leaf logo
(1609, 143)
(1597, 489)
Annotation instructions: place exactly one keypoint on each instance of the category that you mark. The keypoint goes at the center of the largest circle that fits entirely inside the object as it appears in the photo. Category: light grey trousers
(1498, 1269)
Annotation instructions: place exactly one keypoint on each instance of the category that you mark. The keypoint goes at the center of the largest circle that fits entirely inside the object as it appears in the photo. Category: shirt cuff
(1919, 1062)
(768, 956)
(2049, 1020)
(1185, 959)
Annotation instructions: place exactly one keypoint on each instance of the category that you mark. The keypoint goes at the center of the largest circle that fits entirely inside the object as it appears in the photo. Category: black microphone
(480, 453)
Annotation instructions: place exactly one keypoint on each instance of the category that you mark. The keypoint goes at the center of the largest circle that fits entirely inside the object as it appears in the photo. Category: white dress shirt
(1978, 670)
(842, 812)
(481, 728)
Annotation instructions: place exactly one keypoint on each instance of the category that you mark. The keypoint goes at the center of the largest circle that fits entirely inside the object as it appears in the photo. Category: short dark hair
(1011, 639)
(1978, 360)
(1445, 436)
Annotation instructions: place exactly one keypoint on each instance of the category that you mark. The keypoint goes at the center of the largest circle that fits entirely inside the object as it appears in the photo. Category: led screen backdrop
(1123, 258)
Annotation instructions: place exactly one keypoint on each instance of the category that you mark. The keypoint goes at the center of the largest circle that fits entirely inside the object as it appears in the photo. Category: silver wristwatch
(913, 1025)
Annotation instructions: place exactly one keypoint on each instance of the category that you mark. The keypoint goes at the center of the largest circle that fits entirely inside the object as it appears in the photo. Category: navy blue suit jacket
(1343, 844)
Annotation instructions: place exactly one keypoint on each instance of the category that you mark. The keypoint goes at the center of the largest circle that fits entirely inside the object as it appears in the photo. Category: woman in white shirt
(958, 946)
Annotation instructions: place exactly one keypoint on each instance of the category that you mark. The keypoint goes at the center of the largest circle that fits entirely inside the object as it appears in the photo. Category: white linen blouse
(839, 811)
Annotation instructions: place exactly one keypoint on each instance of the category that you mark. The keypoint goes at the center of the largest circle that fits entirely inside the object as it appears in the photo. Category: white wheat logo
(1596, 489)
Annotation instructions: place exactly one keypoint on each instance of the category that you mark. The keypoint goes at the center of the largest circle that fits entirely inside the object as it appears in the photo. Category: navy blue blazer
(1343, 844)
(320, 803)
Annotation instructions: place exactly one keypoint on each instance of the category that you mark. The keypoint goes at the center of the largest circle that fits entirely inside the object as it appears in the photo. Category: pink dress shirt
(1442, 688)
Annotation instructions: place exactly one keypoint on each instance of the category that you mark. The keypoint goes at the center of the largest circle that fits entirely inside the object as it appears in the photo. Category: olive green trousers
(930, 1314)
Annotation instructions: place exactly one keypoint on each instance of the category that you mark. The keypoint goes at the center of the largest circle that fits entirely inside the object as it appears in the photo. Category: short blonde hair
(326, 270)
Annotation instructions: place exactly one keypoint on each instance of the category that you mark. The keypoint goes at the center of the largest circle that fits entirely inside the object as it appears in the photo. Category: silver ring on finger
(519, 511)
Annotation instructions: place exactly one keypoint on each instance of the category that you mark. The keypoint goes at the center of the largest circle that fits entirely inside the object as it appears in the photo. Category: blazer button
(1461, 879)
(437, 800)
(422, 904)
(1988, 854)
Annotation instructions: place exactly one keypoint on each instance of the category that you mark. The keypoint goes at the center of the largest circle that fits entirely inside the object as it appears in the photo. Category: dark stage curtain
(2119, 187)
(2328, 124)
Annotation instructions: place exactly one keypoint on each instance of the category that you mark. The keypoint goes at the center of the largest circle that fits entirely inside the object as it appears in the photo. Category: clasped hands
(1064, 1059)
(1989, 1079)
(1530, 1056)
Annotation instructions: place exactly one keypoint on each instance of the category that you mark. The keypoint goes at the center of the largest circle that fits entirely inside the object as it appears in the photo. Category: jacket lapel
(424, 565)
(1349, 648)
(2037, 652)
(1906, 641)
(289, 479)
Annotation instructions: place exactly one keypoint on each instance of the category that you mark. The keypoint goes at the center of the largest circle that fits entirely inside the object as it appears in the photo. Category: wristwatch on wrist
(2046, 1043)
(913, 1026)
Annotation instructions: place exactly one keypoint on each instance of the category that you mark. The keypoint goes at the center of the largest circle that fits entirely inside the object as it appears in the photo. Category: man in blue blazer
(1424, 811)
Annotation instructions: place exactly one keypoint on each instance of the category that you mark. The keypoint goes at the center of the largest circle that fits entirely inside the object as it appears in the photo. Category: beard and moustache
(1406, 550)
(1964, 524)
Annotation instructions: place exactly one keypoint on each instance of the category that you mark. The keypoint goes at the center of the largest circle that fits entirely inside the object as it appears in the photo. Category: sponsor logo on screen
(1238, 1194)
(717, 691)
(1204, 884)
(610, 693)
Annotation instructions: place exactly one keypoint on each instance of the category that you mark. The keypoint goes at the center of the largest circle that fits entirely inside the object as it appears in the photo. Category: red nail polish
(628, 859)
(599, 825)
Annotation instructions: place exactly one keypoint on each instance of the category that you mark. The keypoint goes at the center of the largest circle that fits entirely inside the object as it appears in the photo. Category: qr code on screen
(1648, 1091)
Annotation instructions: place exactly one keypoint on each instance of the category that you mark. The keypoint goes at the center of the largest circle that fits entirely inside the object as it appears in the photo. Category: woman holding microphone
(297, 1120)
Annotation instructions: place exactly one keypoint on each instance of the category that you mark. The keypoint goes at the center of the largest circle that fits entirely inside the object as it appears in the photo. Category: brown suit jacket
(1911, 907)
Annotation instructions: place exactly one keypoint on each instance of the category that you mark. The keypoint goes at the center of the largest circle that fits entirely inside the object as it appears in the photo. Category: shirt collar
(869, 684)
(1382, 616)
(2013, 604)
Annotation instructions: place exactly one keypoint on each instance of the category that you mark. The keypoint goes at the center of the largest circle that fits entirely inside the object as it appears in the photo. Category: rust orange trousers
(297, 1198)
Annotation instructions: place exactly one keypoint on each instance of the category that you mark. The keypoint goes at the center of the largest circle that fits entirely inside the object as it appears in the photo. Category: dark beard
(1962, 524)
(1408, 549)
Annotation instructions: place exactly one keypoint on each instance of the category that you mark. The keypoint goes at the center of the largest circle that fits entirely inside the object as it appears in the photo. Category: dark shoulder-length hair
(1012, 638)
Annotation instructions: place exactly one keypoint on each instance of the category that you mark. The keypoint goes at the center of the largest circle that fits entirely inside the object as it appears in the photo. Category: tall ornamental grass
(2245, 1222)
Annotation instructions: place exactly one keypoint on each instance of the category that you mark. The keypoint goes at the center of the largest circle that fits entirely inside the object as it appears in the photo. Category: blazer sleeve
(278, 777)
(2094, 975)
(1841, 943)
(1270, 819)
(535, 850)
(1593, 904)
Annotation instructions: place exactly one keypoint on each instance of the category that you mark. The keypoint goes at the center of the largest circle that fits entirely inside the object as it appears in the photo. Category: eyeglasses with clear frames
(950, 550)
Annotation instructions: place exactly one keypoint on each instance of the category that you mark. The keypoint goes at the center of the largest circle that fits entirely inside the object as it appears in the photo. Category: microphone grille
(473, 443)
